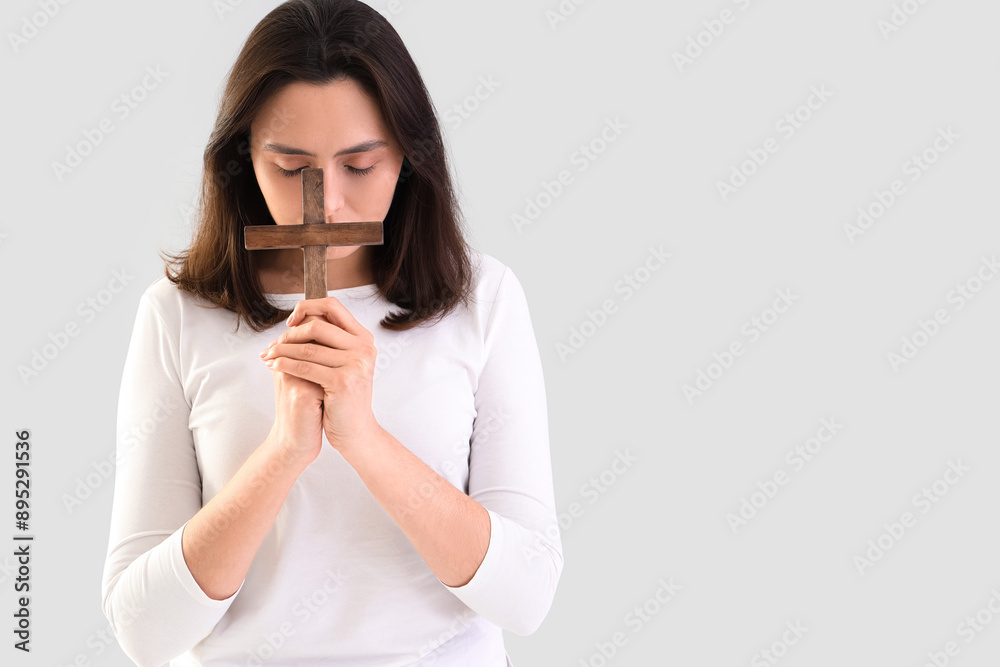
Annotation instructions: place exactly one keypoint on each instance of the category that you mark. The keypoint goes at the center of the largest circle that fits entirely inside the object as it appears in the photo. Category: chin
(338, 252)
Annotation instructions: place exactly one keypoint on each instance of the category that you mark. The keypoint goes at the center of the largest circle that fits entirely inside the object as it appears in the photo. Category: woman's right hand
(298, 417)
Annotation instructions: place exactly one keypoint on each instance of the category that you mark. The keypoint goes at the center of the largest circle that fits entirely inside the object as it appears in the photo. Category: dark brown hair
(424, 264)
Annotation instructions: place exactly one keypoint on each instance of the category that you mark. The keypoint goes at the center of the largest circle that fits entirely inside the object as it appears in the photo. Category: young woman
(362, 479)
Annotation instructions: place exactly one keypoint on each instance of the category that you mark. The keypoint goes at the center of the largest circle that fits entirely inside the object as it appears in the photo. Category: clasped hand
(323, 367)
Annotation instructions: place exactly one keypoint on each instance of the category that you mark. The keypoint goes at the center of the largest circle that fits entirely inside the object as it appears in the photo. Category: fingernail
(289, 320)
(263, 352)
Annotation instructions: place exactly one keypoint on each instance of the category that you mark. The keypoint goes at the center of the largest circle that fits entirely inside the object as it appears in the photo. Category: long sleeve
(153, 603)
(510, 473)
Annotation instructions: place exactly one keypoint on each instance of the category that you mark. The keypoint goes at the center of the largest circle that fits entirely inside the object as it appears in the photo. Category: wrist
(282, 458)
(366, 446)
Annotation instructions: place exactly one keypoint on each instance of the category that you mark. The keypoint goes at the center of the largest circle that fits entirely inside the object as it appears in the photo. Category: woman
(366, 482)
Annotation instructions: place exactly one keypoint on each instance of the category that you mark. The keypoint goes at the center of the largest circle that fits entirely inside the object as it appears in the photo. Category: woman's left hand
(327, 346)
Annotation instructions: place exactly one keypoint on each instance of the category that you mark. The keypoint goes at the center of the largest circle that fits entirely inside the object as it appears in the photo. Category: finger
(306, 370)
(331, 308)
(312, 352)
(317, 330)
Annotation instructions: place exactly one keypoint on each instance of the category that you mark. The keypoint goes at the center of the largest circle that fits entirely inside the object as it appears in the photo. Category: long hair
(424, 264)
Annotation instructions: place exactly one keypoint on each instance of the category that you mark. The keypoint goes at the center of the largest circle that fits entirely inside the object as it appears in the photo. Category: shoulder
(493, 278)
(168, 301)
(493, 281)
(496, 287)
(488, 272)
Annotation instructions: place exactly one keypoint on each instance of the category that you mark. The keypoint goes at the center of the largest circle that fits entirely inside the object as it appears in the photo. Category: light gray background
(655, 185)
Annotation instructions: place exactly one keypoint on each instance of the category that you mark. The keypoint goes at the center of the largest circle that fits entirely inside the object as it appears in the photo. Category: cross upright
(313, 235)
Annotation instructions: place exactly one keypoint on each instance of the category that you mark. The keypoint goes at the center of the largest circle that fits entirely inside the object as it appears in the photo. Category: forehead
(335, 111)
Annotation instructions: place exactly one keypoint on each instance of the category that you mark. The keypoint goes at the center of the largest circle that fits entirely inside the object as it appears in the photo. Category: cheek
(372, 195)
(279, 195)
(386, 186)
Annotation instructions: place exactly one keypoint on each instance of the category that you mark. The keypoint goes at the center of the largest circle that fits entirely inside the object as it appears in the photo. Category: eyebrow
(363, 147)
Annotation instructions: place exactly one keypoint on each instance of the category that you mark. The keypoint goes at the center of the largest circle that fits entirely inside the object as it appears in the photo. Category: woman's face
(336, 127)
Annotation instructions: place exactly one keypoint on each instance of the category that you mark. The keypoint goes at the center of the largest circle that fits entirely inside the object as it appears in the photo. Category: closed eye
(353, 170)
(285, 172)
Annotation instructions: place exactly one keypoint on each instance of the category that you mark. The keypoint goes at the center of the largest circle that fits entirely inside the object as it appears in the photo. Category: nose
(333, 195)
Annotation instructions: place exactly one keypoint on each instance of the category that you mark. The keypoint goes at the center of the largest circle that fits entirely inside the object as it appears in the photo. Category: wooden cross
(313, 235)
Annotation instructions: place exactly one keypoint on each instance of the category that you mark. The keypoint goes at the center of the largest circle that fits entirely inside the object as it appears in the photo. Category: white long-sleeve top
(335, 581)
